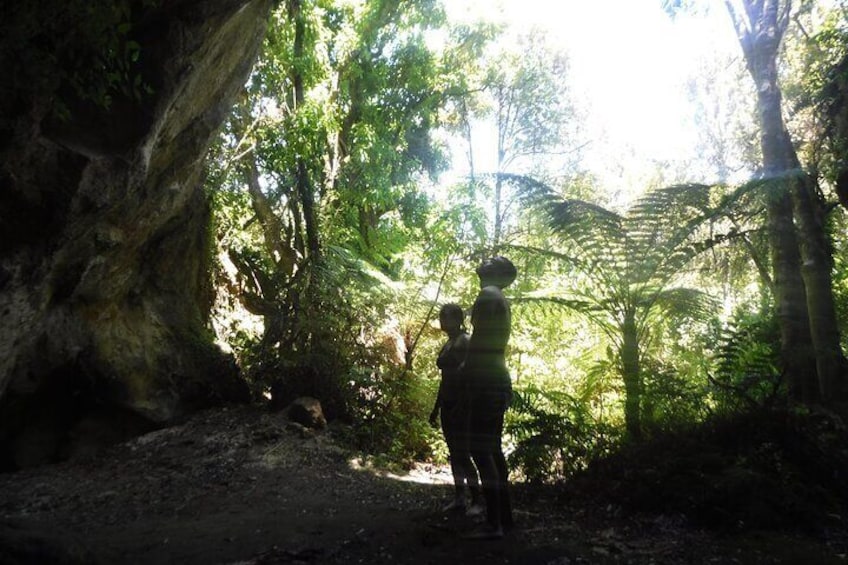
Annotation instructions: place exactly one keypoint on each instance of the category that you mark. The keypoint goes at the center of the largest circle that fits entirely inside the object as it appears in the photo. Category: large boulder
(104, 224)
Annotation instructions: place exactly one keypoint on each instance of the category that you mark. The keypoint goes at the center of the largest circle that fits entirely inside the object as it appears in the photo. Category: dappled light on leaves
(268, 203)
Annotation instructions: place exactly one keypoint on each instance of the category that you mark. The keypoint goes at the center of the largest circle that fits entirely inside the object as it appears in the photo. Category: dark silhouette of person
(490, 390)
(452, 402)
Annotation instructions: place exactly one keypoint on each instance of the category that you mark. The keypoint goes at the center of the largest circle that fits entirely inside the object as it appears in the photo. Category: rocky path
(239, 486)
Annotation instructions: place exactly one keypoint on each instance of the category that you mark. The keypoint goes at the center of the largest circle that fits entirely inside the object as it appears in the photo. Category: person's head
(451, 317)
(497, 271)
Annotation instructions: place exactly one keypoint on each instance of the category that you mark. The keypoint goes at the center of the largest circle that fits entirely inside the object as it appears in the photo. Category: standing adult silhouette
(452, 404)
(490, 390)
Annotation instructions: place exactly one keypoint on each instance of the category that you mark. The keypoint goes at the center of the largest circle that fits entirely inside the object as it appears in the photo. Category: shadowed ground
(237, 486)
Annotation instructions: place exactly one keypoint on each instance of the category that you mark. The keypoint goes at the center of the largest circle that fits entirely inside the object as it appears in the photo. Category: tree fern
(632, 260)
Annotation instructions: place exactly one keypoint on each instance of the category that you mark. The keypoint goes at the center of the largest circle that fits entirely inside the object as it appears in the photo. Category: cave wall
(104, 237)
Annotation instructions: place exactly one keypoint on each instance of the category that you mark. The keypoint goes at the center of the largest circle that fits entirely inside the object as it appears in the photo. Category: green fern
(747, 356)
(555, 435)
(632, 261)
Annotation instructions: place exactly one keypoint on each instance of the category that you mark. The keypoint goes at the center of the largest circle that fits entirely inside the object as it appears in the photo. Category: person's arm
(434, 415)
(462, 351)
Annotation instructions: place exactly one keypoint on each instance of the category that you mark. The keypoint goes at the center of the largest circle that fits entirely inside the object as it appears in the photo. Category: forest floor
(240, 486)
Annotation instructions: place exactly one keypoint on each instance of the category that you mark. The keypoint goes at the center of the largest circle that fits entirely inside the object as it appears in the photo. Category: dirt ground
(241, 486)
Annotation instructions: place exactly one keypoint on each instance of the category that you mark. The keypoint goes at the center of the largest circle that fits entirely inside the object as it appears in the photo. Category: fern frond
(663, 226)
(598, 233)
(600, 273)
(598, 313)
(563, 212)
(684, 302)
(339, 258)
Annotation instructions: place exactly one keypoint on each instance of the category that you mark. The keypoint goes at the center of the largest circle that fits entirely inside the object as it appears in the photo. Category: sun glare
(629, 66)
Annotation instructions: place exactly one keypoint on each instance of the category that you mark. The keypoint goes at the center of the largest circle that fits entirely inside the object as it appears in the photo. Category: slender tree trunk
(305, 190)
(272, 228)
(798, 359)
(817, 273)
(496, 239)
(261, 296)
(801, 257)
(466, 129)
(275, 241)
(310, 216)
(632, 377)
(503, 128)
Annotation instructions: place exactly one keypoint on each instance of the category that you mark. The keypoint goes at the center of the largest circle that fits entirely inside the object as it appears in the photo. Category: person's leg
(505, 507)
(456, 457)
(469, 471)
(462, 452)
(477, 501)
(483, 443)
(458, 473)
(491, 493)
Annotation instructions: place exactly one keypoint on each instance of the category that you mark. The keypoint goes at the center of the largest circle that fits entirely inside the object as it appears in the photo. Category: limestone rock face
(104, 241)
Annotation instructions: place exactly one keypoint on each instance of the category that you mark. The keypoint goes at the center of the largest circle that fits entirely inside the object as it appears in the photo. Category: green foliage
(747, 372)
(344, 107)
(671, 400)
(817, 89)
(390, 414)
(522, 99)
(630, 264)
(840, 274)
(529, 99)
(555, 435)
(362, 137)
(386, 136)
(329, 328)
(54, 50)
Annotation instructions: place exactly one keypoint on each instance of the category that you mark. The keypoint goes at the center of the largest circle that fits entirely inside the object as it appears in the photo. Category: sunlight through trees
(338, 225)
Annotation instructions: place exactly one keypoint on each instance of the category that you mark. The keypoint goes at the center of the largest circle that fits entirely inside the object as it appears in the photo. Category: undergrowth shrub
(390, 415)
(670, 400)
(747, 374)
(554, 435)
(759, 469)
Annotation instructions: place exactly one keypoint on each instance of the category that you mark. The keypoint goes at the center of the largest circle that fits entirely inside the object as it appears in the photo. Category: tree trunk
(632, 377)
(817, 271)
(279, 249)
(503, 130)
(804, 295)
(796, 355)
(496, 239)
(465, 120)
(305, 189)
